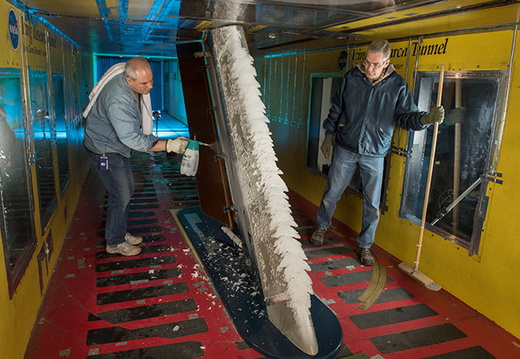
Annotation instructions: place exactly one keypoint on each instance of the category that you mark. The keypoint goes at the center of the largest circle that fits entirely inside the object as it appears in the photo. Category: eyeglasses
(376, 65)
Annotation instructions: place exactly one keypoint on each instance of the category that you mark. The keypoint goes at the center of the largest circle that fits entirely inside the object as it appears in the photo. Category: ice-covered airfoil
(259, 193)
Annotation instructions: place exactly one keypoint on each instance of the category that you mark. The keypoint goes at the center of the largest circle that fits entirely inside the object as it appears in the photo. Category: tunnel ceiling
(155, 27)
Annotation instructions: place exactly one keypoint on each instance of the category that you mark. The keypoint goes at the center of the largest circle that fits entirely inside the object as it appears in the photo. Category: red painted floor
(161, 304)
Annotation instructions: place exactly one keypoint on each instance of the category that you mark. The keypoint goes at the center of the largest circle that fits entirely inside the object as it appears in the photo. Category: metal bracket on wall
(495, 177)
(229, 208)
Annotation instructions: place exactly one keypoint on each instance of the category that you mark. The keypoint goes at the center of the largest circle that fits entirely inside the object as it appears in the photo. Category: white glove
(177, 145)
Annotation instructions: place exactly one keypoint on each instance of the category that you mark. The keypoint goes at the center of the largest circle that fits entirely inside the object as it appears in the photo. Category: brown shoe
(124, 248)
(317, 236)
(366, 258)
(133, 240)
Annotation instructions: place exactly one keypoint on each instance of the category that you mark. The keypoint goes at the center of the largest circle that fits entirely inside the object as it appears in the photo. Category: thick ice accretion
(280, 258)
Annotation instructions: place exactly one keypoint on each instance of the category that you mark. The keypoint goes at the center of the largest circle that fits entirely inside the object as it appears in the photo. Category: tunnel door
(211, 176)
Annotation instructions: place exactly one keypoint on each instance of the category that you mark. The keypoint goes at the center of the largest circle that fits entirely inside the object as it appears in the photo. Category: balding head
(139, 75)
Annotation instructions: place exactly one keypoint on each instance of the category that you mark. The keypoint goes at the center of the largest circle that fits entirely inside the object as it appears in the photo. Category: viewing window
(323, 88)
(61, 130)
(16, 221)
(465, 156)
(44, 139)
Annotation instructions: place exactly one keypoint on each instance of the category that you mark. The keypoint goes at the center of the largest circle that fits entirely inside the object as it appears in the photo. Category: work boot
(133, 240)
(124, 248)
(317, 236)
(365, 256)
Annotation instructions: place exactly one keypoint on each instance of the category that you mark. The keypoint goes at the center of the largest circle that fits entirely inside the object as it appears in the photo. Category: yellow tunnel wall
(487, 281)
(19, 311)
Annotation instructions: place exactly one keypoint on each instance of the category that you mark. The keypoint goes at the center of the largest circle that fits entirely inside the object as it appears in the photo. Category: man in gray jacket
(114, 128)
(371, 98)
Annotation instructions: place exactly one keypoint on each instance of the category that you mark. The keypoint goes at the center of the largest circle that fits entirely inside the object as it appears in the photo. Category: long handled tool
(414, 272)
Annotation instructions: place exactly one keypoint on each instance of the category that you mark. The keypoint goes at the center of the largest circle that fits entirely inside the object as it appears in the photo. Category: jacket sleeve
(407, 114)
(331, 122)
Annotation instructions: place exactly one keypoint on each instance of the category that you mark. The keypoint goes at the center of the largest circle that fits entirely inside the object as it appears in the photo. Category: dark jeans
(119, 184)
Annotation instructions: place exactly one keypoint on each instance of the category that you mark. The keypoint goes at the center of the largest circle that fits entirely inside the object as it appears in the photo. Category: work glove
(177, 145)
(327, 144)
(435, 115)
(455, 116)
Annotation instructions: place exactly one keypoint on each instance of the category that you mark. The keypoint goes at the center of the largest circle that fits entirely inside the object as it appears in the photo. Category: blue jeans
(343, 166)
(119, 184)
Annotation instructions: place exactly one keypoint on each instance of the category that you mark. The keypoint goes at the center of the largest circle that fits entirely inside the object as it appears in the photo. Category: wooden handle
(430, 172)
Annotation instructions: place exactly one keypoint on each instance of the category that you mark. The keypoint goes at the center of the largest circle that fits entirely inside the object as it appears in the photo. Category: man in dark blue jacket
(370, 100)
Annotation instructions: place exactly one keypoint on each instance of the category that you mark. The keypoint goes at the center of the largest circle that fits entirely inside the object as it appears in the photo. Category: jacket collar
(390, 69)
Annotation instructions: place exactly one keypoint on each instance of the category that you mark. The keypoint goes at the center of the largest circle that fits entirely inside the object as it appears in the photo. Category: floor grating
(161, 304)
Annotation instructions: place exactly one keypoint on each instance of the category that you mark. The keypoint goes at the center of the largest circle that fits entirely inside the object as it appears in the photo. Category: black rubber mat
(388, 295)
(392, 316)
(137, 277)
(169, 330)
(135, 263)
(333, 265)
(417, 338)
(186, 350)
(348, 278)
(468, 353)
(148, 311)
(326, 251)
(141, 293)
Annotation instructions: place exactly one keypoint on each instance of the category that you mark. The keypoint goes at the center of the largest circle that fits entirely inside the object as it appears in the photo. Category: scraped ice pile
(280, 258)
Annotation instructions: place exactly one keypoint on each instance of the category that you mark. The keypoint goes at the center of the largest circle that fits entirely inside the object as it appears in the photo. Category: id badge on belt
(103, 162)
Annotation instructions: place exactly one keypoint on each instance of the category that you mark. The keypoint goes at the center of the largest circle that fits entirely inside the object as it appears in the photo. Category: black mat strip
(143, 206)
(327, 251)
(147, 194)
(333, 265)
(326, 240)
(349, 278)
(468, 353)
(183, 204)
(392, 316)
(137, 277)
(186, 350)
(305, 223)
(306, 231)
(137, 222)
(148, 311)
(144, 200)
(184, 197)
(140, 214)
(149, 229)
(135, 231)
(146, 239)
(388, 295)
(102, 254)
(169, 330)
(136, 263)
(417, 338)
(141, 293)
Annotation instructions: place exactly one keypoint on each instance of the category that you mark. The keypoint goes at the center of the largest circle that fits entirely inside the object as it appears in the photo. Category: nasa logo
(13, 29)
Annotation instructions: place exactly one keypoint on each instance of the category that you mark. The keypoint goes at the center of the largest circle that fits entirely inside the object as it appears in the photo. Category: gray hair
(378, 46)
(135, 64)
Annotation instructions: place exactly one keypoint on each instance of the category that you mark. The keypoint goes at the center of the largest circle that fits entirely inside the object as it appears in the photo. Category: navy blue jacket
(363, 115)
